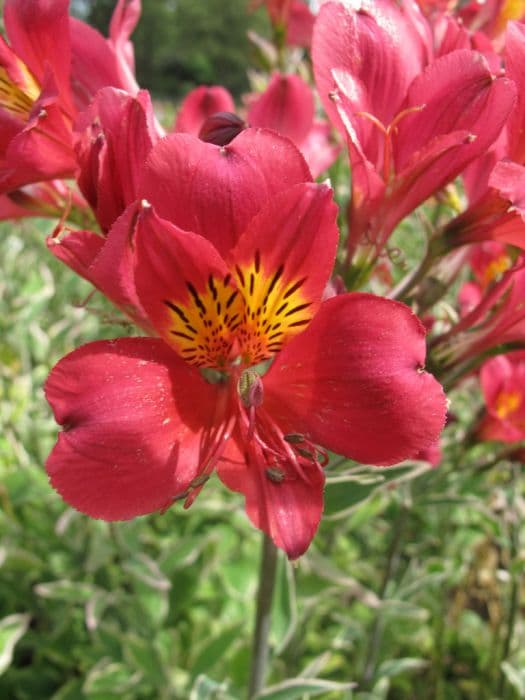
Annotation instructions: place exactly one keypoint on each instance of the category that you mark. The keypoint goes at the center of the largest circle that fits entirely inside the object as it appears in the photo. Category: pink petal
(354, 382)
(123, 21)
(135, 420)
(493, 376)
(215, 190)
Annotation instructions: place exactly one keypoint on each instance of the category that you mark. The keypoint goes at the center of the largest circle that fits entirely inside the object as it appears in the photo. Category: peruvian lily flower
(45, 199)
(50, 69)
(146, 420)
(488, 261)
(495, 323)
(502, 381)
(495, 183)
(198, 186)
(412, 124)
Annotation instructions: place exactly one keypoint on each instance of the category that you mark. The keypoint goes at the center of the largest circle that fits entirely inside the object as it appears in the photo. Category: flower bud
(221, 128)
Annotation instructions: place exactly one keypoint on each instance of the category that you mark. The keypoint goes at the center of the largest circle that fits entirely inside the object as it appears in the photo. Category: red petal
(301, 23)
(96, 64)
(134, 419)
(43, 149)
(287, 256)
(377, 50)
(108, 263)
(458, 93)
(354, 383)
(116, 134)
(38, 31)
(319, 149)
(289, 511)
(215, 190)
(286, 106)
(180, 279)
(509, 179)
(199, 104)
(515, 57)
(77, 249)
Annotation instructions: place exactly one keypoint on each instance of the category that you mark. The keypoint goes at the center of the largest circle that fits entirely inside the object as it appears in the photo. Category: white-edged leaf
(12, 628)
(295, 688)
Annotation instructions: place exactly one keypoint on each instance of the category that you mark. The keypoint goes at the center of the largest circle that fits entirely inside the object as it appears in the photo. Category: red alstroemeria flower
(412, 124)
(45, 199)
(503, 384)
(491, 16)
(50, 69)
(495, 183)
(143, 426)
(210, 190)
(493, 319)
(489, 261)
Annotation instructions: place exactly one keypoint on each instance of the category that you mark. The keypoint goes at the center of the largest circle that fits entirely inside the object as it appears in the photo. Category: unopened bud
(221, 128)
(250, 388)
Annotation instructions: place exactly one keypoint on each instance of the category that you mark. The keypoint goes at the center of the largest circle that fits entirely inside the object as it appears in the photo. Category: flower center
(246, 316)
(15, 99)
(508, 403)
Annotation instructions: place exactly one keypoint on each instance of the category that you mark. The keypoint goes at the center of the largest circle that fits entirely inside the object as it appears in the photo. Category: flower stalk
(263, 617)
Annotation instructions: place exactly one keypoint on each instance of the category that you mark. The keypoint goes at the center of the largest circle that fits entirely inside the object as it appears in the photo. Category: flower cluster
(277, 328)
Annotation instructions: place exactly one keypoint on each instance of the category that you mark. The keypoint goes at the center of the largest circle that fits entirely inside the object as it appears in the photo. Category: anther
(274, 474)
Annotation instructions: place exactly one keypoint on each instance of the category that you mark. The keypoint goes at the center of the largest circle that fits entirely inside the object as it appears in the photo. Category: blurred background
(180, 44)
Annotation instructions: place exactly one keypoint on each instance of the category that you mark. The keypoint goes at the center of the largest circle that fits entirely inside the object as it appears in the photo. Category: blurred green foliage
(180, 44)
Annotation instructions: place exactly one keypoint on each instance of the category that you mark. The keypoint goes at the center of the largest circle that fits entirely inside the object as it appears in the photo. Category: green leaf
(66, 591)
(393, 667)
(12, 628)
(343, 493)
(108, 676)
(295, 688)
(205, 688)
(142, 654)
(516, 678)
(214, 650)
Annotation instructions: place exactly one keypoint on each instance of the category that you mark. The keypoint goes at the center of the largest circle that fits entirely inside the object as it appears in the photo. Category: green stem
(390, 569)
(263, 617)
(514, 546)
